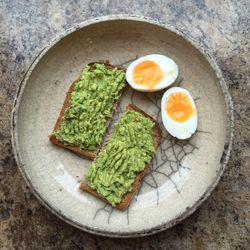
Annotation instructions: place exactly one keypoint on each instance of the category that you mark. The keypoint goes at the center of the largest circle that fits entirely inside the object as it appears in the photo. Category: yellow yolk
(179, 107)
(147, 73)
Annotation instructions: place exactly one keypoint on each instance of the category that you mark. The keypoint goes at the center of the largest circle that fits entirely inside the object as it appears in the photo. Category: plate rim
(229, 130)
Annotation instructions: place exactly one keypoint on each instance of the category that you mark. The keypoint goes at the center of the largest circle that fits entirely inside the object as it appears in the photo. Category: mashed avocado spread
(84, 122)
(118, 163)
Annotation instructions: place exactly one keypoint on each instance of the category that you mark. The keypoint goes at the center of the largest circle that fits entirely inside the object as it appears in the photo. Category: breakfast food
(179, 113)
(115, 174)
(117, 170)
(151, 73)
(88, 108)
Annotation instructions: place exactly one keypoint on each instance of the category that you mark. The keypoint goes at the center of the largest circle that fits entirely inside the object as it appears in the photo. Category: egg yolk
(179, 107)
(147, 73)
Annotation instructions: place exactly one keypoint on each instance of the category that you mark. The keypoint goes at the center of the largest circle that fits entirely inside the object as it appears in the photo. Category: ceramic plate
(183, 173)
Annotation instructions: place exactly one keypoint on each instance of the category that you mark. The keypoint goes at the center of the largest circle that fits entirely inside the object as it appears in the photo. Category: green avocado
(84, 122)
(117, 165)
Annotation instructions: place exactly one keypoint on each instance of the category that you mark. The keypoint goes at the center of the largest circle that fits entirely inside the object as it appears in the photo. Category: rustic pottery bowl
(183, 173)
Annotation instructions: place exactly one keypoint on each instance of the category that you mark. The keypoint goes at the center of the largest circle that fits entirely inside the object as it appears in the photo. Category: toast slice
(129, 196)
(89, 154)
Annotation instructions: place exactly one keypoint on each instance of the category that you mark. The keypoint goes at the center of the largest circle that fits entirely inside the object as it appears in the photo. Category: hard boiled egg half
(179, 113)
(151, 73)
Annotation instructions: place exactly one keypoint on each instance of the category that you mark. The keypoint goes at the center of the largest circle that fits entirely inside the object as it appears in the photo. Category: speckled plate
(182, 174)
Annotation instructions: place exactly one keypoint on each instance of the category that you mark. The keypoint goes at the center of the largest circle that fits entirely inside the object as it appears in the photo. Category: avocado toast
(88, 108)
(118, 169)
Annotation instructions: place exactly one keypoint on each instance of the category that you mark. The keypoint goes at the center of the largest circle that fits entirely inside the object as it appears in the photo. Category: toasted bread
(89, 154)
(129, 196)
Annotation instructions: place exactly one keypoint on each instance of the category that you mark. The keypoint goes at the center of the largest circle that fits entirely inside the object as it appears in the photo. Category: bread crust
(129, 196)
(89, 154)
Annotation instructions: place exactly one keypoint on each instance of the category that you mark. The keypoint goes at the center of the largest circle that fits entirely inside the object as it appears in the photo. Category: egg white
(180, 130)
(167, 65)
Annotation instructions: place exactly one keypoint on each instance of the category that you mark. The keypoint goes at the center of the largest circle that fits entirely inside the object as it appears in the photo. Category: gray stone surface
(223, 221)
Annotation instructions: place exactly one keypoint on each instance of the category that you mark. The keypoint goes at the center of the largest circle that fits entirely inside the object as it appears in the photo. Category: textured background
(222, 27)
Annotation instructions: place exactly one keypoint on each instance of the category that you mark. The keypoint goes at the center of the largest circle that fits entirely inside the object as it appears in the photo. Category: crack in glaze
(107, 209)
